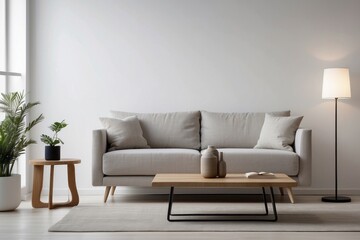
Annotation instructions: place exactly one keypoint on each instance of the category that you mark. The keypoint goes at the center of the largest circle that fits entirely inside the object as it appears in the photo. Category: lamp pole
(336, 153)
(336, 198)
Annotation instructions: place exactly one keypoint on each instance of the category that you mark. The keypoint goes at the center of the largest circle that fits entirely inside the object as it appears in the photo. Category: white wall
(89, 57)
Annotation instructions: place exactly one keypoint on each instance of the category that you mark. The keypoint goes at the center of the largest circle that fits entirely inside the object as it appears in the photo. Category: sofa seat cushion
(241, 160)
(151, 161)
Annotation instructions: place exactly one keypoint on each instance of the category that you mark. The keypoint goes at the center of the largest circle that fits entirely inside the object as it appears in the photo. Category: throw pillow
(278, 132)
(124, 133)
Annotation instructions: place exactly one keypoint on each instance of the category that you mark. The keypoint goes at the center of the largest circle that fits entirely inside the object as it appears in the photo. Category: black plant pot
(52, 152)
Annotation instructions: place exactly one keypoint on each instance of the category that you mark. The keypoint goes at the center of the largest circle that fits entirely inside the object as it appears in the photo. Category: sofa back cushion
(232, 130)
(168, 130)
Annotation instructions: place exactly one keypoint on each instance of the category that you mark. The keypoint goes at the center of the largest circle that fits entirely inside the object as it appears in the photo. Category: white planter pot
(10, 192)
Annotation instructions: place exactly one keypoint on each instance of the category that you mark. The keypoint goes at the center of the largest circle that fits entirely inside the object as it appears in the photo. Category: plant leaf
(13, 131)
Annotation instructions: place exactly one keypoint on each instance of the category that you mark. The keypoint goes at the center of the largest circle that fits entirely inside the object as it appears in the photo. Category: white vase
(10, 192)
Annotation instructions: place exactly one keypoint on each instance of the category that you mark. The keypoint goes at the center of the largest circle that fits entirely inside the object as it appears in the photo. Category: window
(2, 44)
(13, 62)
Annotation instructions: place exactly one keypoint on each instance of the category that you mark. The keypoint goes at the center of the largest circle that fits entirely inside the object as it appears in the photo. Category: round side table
(38, 182)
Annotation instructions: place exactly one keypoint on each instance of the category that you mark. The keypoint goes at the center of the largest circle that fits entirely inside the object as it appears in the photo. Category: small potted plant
(52, 150)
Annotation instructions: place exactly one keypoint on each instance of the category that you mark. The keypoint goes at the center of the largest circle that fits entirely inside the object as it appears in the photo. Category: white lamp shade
(336, 83)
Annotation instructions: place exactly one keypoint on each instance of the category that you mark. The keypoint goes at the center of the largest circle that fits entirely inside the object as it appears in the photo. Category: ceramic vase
(10, 192)
(213, 150)
(222, 166)
(209, 163)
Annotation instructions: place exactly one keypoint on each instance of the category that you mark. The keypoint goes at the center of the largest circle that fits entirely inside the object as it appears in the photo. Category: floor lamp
(336, 85)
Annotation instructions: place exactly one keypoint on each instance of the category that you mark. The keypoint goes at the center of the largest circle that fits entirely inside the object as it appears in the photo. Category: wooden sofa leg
(113, 190)
(107, 191)
(291, 195)
(281, 191)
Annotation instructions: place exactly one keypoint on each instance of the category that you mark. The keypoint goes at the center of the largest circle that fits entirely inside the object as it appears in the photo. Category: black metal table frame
(226, 216)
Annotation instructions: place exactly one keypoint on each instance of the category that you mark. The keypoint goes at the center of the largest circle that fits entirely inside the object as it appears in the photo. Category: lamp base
(338, 199)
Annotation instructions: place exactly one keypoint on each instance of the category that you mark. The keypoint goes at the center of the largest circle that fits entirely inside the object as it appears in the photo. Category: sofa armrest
(303, 149)
(99, 147)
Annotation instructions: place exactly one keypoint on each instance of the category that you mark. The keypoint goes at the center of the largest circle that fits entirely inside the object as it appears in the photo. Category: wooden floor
(29, 223)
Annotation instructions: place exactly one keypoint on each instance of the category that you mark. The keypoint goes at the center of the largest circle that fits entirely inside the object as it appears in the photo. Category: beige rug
(309, 214)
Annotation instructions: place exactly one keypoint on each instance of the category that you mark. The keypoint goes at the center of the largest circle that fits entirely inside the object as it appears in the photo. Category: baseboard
(96, 191)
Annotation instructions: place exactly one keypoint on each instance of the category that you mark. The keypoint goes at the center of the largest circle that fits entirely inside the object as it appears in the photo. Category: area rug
(307, 215)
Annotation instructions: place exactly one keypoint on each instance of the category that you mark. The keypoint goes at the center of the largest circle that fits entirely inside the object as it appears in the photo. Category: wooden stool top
(63, 161)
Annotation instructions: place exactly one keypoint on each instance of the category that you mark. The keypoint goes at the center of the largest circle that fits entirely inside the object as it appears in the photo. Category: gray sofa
(176, 140)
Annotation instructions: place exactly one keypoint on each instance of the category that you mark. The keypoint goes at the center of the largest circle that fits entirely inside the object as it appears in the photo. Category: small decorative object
(13, 141)
(260, 175)
(52, 151)
(222, 166)
(209, 163)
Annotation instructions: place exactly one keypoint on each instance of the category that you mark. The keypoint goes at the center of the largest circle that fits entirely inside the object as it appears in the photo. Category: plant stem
(11, 168)
(54, 137)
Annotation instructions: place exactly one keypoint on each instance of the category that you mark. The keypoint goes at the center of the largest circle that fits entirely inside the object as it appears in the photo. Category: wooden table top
(231, 180)
(63, 161)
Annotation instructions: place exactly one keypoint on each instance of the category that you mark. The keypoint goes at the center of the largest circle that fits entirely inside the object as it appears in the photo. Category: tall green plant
(13, 129)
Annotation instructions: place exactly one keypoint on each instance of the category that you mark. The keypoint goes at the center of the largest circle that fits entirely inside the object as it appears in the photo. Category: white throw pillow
(124, 133)
(278, 132)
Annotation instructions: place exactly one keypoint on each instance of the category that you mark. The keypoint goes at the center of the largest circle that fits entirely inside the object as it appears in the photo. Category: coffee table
(231, 181)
